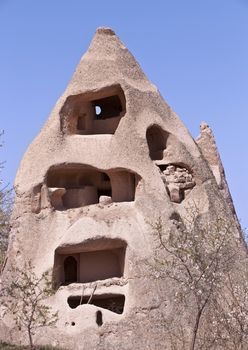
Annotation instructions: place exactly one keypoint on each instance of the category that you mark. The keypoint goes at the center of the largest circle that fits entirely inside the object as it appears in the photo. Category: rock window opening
(108, 107)
(75, 186)
(99, 320)
(112, 302)
(97, 112)
(156, 139)
(102, 259)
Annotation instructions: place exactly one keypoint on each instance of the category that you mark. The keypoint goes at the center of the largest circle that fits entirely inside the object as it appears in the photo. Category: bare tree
(229, 314)
(198, 256)
(24, 298)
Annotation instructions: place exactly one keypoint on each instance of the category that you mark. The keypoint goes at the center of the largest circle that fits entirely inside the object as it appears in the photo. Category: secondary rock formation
(208, 147)
(111, 159)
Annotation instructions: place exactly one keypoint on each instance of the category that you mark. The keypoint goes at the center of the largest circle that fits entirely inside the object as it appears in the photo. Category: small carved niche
(99, 320)
(96, 112)
(178, 181)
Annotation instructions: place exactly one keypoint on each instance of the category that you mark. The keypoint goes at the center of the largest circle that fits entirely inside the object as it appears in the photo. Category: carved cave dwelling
(111, 159)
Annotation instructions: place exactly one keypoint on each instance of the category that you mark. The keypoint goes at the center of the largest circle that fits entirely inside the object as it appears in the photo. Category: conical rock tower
(110, 161)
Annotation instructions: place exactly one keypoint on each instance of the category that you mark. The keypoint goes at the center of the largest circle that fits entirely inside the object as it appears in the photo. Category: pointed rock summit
(111, 163)
(207, 144)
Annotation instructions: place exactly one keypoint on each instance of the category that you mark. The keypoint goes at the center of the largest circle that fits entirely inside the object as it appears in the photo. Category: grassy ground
(4, 346)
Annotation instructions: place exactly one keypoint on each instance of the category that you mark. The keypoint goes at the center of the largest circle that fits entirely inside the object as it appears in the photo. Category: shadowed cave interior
(112, 302)
(97, 260)
(74, 186)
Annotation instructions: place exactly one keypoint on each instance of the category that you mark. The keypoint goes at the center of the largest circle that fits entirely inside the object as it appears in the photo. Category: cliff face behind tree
(125, 211)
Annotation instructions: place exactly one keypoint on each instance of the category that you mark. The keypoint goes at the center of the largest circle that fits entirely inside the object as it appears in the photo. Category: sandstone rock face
(111, 159)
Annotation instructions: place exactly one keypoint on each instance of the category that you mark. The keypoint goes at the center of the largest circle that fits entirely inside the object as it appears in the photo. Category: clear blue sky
(195, 51)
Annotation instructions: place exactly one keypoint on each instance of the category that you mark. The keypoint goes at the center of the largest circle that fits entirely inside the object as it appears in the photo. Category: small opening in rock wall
(107, 107)
(99, 321)
(73, 323)
(98, 110)
(112, 302)
(162, 167)
(156, 140)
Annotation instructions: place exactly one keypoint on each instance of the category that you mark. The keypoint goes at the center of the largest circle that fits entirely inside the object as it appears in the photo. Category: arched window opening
(156, 139)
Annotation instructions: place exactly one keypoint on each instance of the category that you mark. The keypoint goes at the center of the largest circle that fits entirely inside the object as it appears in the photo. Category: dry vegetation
(5, 210)
(207, 266)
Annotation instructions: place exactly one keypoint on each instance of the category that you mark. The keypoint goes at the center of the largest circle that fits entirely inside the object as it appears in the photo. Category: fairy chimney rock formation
(207, 144)
(111, 159)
